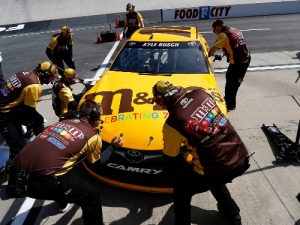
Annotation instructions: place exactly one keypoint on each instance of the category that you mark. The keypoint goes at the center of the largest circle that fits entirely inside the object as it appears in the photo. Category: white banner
(227, 11)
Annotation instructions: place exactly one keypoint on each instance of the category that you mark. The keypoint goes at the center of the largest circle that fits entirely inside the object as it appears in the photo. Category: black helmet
(46, 72)
(91, 110)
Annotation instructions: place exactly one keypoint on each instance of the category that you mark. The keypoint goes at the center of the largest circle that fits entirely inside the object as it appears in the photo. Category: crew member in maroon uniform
(60, 49)
(64, 102)
(218, 153)
(49, 162)
(133, 20)
(233, 43)
(19, 97)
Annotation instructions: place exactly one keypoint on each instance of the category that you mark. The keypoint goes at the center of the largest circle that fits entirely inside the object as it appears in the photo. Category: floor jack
(287, 149)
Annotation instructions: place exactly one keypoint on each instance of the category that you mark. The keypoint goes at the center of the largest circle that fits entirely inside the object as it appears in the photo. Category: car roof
(166, 34)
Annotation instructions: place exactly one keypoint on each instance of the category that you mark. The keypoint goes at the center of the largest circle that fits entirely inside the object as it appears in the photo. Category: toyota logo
(184, 101)
(134, 156)
(132, 43)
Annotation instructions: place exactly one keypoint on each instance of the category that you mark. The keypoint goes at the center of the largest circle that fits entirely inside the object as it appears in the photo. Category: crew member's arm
(219, 44)
(173, 141)
(32, 94)
(125, 24)
(50, 48)
(141, 20)
(68, 102)
(70, 48)
(107, 152)
(212, 51)
(95, 145)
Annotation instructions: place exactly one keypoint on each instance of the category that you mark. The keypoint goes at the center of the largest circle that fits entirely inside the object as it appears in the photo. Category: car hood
(126, 100)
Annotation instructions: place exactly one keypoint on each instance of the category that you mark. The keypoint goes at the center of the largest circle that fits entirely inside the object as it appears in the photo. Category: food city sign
(201, 12)
(196, 13)
(226, 11)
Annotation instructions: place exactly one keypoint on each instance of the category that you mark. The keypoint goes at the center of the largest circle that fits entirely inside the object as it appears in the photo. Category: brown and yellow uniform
(62, 99)
(233, 43)
(58, 43)
(60, 50)
(218, 154)
(19, 97)
(133, 21)
(21, 88)
(61, 145)
(54, 173)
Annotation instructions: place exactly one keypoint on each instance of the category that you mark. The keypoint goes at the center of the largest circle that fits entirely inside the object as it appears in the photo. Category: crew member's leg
(226, 205)
(68, 60)
(13, 135)
(234, 77)
(187, 183)
(83, 192)
(58, 61)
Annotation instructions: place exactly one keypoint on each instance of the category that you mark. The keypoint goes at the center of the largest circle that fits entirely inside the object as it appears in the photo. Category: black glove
(218, 57)
(28, 116)
(49, 54)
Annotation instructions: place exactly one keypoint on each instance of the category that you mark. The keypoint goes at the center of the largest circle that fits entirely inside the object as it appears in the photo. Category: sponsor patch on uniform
(222, 121)
(56, 143)
(3, 92)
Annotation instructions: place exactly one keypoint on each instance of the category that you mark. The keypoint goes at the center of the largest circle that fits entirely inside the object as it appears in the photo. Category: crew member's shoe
(63, 206)
(230, 109)
(232, 218)
(11, 192)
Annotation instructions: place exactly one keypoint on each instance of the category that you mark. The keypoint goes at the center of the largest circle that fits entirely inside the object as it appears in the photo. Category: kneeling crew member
(19, 98)
(64, 102)
(49, 162)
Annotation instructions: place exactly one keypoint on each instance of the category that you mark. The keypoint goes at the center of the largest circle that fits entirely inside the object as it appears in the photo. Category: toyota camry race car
(177, 54)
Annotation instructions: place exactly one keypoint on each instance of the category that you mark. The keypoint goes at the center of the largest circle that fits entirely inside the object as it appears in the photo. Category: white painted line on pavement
(247, 30)
(102, 68)
(23, 211)
(263, 68)
(48, 32)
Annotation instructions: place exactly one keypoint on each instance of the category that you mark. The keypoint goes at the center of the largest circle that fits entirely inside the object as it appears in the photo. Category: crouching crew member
(60, 49)
(64, 102)
(19, 98)
(48, 163)
(219, 154)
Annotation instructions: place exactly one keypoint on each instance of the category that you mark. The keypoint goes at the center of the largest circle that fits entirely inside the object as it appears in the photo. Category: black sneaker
(63, 206)
(230, 109)
(11, 192)
(232, 219)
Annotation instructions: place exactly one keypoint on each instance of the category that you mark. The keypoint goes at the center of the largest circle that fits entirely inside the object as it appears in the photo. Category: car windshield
(161, 57)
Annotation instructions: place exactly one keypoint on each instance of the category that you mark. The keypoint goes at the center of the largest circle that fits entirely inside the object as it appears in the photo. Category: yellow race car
(177, 54)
